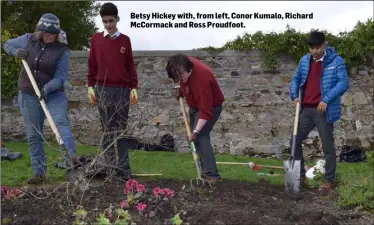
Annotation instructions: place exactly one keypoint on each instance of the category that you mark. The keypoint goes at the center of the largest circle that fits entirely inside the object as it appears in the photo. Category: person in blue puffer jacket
(318, 83)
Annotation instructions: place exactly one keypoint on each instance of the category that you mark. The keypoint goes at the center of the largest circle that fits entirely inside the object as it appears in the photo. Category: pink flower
(13, 193)
(4, 189)
(123, 204)
(141, 206)
(168, 193)
(131, 185)
(140, 188)
(165, 192)
(156, 191)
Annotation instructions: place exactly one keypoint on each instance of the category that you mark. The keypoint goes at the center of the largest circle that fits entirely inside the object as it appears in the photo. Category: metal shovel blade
(292, 176)
(292, 166)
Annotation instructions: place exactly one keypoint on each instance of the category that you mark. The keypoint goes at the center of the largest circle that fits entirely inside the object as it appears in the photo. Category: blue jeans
(33, 118)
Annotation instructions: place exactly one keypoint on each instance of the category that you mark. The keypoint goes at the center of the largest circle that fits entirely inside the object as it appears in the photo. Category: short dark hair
(178, 61)
(316, 38)
(108, 9)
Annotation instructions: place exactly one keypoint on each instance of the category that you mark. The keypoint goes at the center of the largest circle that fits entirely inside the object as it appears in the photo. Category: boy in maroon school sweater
(204, 99)
(112, 81)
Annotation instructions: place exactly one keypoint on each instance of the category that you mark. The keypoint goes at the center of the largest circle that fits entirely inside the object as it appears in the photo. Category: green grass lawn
(356, 179)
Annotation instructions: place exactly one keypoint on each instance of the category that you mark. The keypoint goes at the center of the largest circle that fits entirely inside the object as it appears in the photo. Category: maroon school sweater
(111, 62)
(312, 89)
(201, 90)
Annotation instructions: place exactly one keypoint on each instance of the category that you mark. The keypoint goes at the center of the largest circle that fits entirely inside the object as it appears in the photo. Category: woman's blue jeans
(33, 118)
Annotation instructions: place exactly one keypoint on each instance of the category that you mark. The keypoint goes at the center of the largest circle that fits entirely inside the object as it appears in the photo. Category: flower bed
(171, 202)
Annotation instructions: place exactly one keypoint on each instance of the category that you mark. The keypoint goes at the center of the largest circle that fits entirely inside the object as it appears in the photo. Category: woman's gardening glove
(21, 53)
(133, 97)
(91, 95)
(42, 95)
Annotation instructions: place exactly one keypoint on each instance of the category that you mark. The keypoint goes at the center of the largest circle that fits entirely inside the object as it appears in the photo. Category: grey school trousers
(203, 146)
(113, 105)
(308, 120)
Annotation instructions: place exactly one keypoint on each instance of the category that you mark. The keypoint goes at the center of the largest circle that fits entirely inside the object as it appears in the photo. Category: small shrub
(356, 47)
(10, 67)
(136, 197)
(370, 158)
(10, 193)
(357, 188)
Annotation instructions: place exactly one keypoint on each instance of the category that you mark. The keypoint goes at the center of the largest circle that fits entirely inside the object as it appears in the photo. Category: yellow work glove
(133, 97)
(91, 95)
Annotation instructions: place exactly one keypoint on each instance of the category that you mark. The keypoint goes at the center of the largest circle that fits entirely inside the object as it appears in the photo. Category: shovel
(292, 166)
(71, 174)
(192, 145)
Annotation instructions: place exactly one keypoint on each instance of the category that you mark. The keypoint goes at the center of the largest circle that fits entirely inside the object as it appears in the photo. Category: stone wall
(257, 117)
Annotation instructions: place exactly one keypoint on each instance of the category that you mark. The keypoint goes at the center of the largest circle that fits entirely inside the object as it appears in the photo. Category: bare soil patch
(230, 202)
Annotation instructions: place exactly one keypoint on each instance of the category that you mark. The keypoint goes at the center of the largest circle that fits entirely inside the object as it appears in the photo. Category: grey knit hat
(49, 23)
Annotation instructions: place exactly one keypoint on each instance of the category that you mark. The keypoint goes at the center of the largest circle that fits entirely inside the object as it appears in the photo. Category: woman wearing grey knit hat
(47, 55)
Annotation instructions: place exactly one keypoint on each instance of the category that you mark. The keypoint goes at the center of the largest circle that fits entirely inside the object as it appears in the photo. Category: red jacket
(111, 62)
(201, 90)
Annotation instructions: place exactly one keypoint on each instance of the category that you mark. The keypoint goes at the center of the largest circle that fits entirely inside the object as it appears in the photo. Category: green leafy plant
(133, 191)
(80, 216)
(6, 221)
(370, 158)
(357, 192)
(176, 220)
(103, 220)
(356, 46)
(137, 197)
(122, 217)
(10, 67)
(110, 216)
(113, 215)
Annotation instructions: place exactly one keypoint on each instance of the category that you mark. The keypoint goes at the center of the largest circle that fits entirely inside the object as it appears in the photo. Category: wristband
(196, 131)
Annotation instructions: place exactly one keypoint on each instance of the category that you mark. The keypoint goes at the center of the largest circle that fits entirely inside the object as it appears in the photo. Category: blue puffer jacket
(334, 82)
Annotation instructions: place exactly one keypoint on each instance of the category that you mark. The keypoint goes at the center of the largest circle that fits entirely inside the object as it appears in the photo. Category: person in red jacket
(112, 81)
(204, 98)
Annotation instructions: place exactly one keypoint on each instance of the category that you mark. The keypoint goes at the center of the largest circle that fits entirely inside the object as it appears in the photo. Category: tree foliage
(76, 18)
(356, 46)
(20, 17)
(10, 67)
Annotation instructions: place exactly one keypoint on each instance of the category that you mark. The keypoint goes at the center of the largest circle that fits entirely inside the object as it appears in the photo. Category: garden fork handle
(42, 103)
(192, 145)
(186, 123)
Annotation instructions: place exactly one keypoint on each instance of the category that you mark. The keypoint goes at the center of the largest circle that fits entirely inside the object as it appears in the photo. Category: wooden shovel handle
(295, 128)
(296, 123)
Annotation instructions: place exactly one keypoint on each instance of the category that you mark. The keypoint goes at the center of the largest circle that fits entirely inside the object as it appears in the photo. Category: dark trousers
(113, 105)
(203, 146)
(308, 120)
